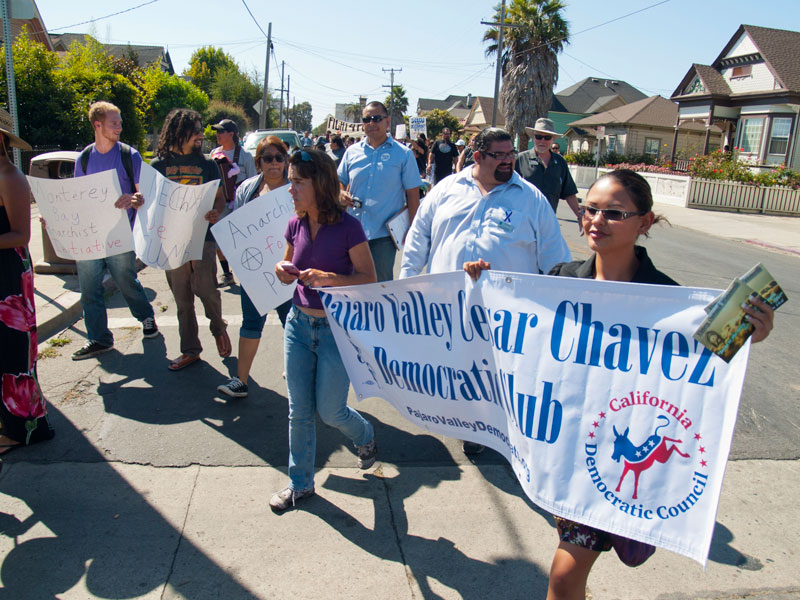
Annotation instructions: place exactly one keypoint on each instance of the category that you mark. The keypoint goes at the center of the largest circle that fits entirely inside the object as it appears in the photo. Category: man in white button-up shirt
(487, 212)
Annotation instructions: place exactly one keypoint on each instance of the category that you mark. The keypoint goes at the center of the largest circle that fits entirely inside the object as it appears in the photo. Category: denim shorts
(252, 322)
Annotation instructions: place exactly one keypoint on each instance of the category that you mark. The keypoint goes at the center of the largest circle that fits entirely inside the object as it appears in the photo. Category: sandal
(184, 360)
(224, 346)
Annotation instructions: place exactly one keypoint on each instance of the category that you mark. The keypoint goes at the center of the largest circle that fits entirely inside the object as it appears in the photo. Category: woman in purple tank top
(325, 246)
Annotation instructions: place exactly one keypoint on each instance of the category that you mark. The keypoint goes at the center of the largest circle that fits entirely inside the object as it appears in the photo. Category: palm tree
(352, 112)
(529, 60)
(397, 103)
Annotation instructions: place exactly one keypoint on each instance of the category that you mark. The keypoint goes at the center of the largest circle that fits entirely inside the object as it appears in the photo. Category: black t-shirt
(188, 169)
(443, 155)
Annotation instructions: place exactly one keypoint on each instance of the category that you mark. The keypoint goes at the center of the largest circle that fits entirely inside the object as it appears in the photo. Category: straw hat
(7, 126)
(543, 126)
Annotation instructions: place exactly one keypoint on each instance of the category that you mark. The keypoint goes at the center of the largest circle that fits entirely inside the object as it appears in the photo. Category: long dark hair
(271, 141)
(321, 170)
(178, 127)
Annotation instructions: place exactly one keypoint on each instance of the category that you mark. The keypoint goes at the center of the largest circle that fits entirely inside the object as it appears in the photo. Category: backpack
(127, 162)
(229, 184)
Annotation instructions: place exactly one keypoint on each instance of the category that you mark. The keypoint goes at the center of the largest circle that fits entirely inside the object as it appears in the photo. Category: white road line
(172, 321)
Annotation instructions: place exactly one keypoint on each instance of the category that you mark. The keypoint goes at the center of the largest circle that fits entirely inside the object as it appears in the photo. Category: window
(744, 71)
(652, 146)
(779, 135)
(750, 129)
(612, 143)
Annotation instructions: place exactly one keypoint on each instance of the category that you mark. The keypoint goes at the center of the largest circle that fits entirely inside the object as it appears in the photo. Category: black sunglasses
(268, 158)
(373, 119)
(501, 155)
(609, 214)
(543, 137)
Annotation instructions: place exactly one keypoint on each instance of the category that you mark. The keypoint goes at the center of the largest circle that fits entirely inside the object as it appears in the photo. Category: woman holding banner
(325, 247)
(23, 409)
(618, 209)
(272, 161)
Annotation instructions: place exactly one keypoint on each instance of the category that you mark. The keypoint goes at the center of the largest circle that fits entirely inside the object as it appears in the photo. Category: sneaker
(367, 454)
(472, 449)
(90, 349)
(225, 280)
(287, 498)
(149, 328)
(234, 388)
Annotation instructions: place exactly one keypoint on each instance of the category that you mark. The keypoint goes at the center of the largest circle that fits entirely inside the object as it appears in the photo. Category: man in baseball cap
(545, 169)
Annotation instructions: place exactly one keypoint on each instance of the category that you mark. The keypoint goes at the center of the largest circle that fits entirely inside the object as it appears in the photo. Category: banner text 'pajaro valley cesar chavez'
(595, 392)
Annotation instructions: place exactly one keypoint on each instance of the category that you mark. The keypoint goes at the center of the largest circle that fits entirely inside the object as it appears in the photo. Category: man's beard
(503, 175)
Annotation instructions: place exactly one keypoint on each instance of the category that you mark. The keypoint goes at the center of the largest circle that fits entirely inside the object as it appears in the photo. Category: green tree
(528, 59)
(397, 103)
(301, 115)
(437, 119)
(44, 101)
(232, 86)
(352, 112)
(164, 92)
(204, 64)
(218, 110)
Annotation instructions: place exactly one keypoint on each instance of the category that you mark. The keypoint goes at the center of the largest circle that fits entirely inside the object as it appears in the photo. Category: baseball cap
(226, 125)
(461, 143)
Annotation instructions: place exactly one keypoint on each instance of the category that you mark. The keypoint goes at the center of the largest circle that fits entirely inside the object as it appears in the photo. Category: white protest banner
(335, 124)
(81, 219)
(251, 238)
(609, 413)
(417, 125)
(400, 132)
(170, 228)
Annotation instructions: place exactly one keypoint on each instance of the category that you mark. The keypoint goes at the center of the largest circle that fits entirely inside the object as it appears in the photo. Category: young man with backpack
(235, 165)
(107, 153)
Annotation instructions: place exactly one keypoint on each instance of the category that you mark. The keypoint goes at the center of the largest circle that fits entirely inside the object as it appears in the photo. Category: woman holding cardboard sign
(325, 247)
(618, 209)
(272, 162)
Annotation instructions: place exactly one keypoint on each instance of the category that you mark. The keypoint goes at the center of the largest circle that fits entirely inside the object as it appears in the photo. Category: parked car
(289, 137)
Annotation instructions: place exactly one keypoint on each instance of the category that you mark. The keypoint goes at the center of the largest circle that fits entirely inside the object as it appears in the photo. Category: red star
(591, 434)
(702, 449)
(602, 415)
(595, 424)
(703, 463)
(697, 436)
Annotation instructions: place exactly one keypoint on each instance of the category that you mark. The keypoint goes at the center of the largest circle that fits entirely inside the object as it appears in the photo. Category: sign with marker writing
(80, 216)
(606, 408)
(170, 228)
(252, 239)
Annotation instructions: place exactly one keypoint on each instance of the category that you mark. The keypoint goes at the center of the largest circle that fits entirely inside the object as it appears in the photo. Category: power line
(106, 17)
(254, 19)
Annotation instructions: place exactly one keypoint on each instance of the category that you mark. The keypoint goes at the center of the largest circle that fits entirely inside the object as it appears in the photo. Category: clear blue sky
(335, 51)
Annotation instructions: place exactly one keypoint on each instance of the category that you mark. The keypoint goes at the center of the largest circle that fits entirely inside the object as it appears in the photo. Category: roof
(582, 96)
(778, 48)
(486, 104)
(145, 55)
(426, 104)
(655, 111)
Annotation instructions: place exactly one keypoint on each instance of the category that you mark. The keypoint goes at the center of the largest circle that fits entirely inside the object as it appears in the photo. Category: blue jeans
(317, 382)
(122, 268)
(383, 254)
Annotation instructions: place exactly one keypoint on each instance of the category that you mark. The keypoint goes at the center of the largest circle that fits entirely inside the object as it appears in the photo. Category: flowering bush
(726, 166)
(664, 169)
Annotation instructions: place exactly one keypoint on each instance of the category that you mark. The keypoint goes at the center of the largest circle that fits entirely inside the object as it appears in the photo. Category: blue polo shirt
(379, 177)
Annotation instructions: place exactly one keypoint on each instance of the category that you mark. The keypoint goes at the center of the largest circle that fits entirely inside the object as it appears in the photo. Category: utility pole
(391, 93)
(280, 116)
(288, 86)
(8, 42)
(262, 118)
(498, 67)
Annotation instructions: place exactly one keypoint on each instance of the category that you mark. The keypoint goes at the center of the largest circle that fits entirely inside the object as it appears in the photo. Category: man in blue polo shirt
(381, 177)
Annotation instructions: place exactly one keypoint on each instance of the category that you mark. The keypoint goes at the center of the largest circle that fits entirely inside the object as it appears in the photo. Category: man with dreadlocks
(180, 159)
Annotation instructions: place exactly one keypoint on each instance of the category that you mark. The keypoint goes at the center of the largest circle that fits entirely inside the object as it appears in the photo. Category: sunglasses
(543, 137)
(501, 155)
(269, 158)
(609, 214)
(373, 119)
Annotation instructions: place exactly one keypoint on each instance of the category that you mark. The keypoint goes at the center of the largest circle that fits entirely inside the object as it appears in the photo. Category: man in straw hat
(545, 169)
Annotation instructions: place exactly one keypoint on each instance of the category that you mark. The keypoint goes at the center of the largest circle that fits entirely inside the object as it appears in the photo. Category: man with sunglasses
(547, 170)
(485, 213)
(382, 175)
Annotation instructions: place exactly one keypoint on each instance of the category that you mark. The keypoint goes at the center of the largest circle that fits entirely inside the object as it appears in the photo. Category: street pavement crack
(180, 535)
(409, 573)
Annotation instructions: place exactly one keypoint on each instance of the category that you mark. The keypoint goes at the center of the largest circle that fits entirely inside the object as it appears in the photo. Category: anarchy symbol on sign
(252, 259)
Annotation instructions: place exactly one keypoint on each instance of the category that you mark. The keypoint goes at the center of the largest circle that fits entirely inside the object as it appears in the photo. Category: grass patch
(57, 342)
(48, 353)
